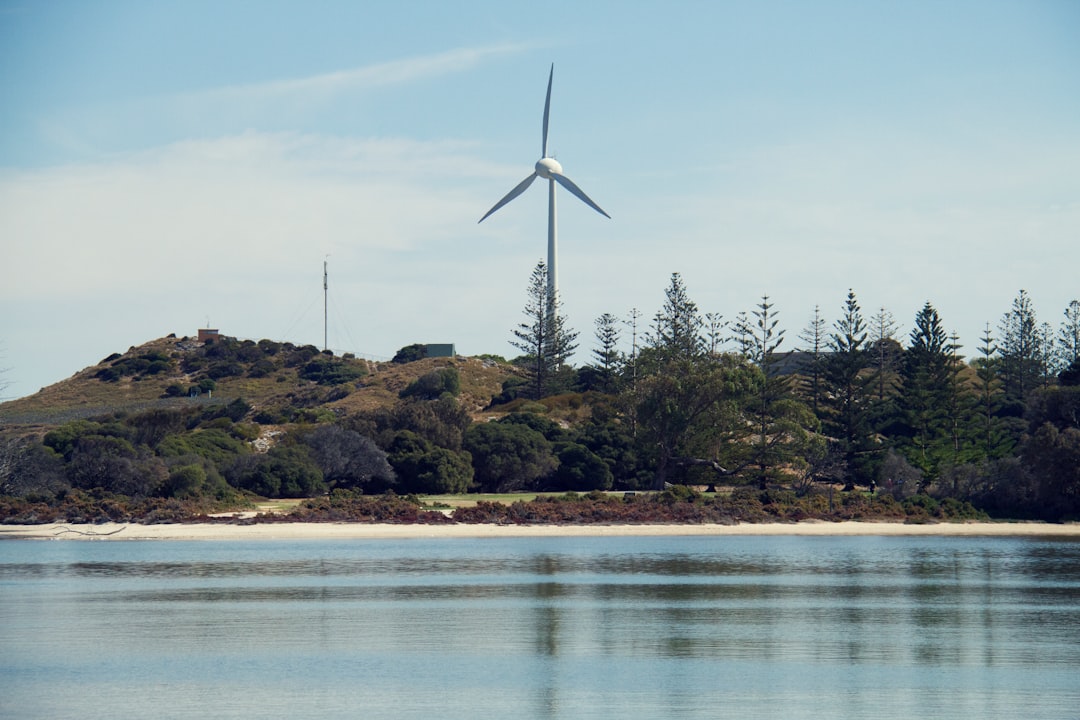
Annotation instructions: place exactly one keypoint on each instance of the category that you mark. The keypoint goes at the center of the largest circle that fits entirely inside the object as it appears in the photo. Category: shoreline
(375, 531)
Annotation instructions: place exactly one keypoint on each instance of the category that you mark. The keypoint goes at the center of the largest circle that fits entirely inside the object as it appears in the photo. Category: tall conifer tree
(544, 337)
(847, 398)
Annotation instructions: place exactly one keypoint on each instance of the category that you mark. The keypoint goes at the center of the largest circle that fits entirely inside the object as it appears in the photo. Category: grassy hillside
(275, 378)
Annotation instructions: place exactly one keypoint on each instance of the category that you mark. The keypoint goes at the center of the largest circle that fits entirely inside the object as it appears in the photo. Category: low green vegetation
(686, 428)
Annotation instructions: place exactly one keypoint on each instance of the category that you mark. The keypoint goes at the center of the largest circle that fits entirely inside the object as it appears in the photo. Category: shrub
(282, 472)
(327, 370)
(432, 385)
(410, 353)
(174, 390)
(224, 369)
(260, 368)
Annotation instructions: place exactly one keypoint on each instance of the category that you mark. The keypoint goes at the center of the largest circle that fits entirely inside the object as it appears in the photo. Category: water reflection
(627, 627)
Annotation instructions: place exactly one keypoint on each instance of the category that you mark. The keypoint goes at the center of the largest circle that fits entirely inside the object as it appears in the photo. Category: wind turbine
(549, 169)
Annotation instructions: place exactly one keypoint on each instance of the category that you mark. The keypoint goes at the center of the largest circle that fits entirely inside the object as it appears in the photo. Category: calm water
(625, 628)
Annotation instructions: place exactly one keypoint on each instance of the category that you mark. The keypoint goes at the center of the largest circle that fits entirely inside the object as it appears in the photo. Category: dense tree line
(707, 401)
(697, 401)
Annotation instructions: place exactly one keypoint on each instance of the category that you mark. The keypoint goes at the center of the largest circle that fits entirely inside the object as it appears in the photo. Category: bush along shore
(675, 505)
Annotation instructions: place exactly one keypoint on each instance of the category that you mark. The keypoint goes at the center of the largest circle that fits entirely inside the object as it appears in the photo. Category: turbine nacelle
(546, 167)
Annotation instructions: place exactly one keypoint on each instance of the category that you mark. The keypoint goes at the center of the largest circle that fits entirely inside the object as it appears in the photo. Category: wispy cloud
(395, 72)
(290, 104)
(247, 201)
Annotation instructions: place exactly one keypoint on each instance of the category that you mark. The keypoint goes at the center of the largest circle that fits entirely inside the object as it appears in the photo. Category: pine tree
(1046, 355)
(960, 404)
(925, 397)
(544, 338)
(782, 423)
(759, 338)
(886, 353)
(1019, 347)
(714, 332)
(606, 355)
(992, 440)
(677, 327)
(1068, 340)
(813, 338)
(846, 399)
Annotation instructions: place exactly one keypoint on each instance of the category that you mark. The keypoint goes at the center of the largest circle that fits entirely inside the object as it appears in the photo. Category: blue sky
(165, 165)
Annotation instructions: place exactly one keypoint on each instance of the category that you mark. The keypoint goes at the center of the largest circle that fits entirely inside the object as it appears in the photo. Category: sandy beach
(328, 531)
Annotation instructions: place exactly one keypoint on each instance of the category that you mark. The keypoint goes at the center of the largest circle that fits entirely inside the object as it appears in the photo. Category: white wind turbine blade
(547, 109)
(520, 188)
(569, 185)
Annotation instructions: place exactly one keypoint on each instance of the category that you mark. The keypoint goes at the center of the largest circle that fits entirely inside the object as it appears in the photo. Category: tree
(760, 337)
(1046, 355)
(1068, 340)
(610, 436)
(693, 413)
(676, 331)
(845, 404)
(926, 383)
(29, 468)
(606, 355)
(422, 467)
(886, 353)
(348, 459)
(285, 471)
(1070, 376)
(580, 469)
(992, 440)
(714, 331)
(1021, 370)
(544, 337)
(113, 464)
(1053, 456)
(508, 456)
(783, 425)
(813, 338)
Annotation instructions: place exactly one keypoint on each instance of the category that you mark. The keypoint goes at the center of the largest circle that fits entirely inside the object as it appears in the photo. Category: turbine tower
(549, 169)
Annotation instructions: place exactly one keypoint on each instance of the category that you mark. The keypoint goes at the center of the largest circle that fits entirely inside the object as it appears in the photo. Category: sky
(171, 166)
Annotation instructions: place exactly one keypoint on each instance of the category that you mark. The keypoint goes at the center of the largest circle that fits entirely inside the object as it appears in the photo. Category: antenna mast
(325, 285)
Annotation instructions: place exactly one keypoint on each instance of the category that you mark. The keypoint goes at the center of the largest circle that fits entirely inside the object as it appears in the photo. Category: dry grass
(83, 395)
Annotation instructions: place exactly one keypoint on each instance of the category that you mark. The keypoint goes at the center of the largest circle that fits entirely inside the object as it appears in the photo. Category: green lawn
(471, 499)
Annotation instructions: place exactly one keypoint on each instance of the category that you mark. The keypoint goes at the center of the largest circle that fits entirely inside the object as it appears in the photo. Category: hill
(280, 381)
